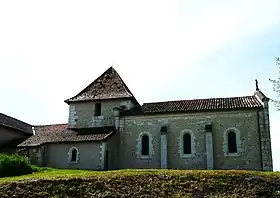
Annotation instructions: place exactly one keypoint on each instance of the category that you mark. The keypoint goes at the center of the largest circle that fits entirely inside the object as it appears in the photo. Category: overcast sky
(163, 50)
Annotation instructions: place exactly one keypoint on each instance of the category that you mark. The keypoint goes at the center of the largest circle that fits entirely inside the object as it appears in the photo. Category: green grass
(50, 174)
(137, 183)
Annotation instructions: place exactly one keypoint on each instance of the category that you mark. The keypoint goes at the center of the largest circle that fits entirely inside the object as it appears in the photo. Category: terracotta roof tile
(60, 133)
(15, 124)
(202, 104)
(107, 86)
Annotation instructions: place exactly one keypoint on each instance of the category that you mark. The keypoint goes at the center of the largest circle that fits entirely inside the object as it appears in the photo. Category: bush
(14, 165)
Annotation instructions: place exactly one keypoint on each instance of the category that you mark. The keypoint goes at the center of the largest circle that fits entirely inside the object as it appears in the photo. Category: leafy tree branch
(276, 84)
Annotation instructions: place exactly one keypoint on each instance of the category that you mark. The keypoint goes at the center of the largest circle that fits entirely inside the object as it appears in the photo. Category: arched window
(73, 155)
(187, 147)
(145, 145)
(187, 144)
(232, 147)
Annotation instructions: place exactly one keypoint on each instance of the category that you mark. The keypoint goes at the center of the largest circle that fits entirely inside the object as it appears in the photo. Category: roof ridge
(50, 125)
(209, 104)
(15, 119)
(125, 86)
(195, 99)
(110, 68)
(14, 123)
(58, 133)
(109, 85)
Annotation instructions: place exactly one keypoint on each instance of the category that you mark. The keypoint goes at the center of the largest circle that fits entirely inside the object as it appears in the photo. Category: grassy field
(51, 174)
(141, 183)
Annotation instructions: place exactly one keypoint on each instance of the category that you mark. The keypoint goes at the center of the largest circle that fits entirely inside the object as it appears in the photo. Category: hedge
(14, 165)
(149, 184)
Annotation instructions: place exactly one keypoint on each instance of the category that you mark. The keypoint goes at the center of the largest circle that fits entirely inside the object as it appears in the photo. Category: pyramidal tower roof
(107, 86)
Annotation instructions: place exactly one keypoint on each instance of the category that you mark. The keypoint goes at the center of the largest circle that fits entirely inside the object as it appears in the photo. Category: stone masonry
(248, 156)
(210, 134)
(82, 114)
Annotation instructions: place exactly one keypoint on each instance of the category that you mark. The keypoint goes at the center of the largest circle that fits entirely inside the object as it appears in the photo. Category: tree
(276, 85)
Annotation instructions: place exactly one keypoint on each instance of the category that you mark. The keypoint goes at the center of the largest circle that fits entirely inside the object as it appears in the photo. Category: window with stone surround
(97, 109)
(232, 147)
(144, 145)
(73, 155)
(232, 142)
(187, 144)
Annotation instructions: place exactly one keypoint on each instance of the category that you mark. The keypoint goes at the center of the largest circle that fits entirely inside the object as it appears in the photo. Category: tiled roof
(107, 86)
(202, 104)
(60, 133)
(15, 124)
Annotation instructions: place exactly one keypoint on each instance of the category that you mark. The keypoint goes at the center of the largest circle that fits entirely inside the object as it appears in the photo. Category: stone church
(108, 129)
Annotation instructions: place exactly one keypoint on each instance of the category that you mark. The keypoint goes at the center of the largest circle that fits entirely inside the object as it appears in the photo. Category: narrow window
(232, 147)
(187, 143)
(74, 153)
(163, 129)
(145, 145)
(97, 109)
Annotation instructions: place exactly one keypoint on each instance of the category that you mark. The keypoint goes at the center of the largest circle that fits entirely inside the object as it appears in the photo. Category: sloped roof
(107, 86)
(14, 123)
(202, 104)
(60, 133)
(210, 104)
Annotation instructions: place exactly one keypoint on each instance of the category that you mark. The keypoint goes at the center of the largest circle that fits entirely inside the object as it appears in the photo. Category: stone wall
(264, 125)
(82, 114)
(37, 155)
(265, 139)
(57, 155)
(112, 148)
(244, 123)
